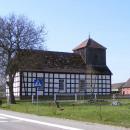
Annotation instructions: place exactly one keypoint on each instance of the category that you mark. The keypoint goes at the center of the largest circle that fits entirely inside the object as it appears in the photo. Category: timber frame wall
(93, 84)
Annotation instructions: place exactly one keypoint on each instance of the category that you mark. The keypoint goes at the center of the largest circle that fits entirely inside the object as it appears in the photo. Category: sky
(69, 22)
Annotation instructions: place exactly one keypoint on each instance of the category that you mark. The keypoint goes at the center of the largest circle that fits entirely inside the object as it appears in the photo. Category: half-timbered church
(82, 72)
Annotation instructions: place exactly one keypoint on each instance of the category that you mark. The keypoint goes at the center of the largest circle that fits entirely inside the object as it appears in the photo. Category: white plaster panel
(94, 81)
(68, 90)
(104, 76)
(68, 75)
(72, 80)
(23, 89)
(100, 76)
(56, 85)
(55, 75)
(72, 90)
(77, 76)
(100, 81)
(45, 93)
(62, 75)
(51, 85)
(103, 85)
(68, 85)
(46, 80)
(51, 80)
(108, 81)
(25, 74)
(7, 90)
(77, 85)
(108, 90)
(104, 90)
(68, 80)
(77, 81)
(89, 76)
(46, 84)
(100, 90)
(29, 89)
(17, 79)
(51, 75)
(100, 85)
(56, 80)
(23, 94)
(29, 85)
(77, 90)
(29, 94)
(82, 76)
(107, 76)
(108, 86)
(95, 90)
(29, 74)
(88, 81)
(88, 90)
(50, 90)
(14, 84)
(94, 76)
(14, 89)
(46, 75)
(72, 75)
(29, 79)
(46, 89)
(39, 74)
(72, 85)
(95, 86)
(56, 90)
(89, 85)
(34, 74)
(34, 89)
(14, 79)
(17, 74)
(40, 92)
(104, 81)
(25, 79)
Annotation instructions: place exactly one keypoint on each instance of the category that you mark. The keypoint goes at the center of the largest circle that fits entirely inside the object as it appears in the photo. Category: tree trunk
(11, 93)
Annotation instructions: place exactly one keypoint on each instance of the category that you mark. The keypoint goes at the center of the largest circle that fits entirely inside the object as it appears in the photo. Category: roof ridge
(36, 50)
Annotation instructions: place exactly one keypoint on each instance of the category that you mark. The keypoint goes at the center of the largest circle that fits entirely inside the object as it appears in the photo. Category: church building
(84, 71)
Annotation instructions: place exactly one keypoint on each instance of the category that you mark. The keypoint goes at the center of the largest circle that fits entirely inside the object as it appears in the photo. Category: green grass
(105, 113)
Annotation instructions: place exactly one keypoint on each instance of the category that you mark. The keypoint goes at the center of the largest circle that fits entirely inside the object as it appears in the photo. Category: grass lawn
(105, 113)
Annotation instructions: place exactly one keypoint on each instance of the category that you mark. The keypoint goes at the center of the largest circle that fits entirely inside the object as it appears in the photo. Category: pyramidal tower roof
(89, 43)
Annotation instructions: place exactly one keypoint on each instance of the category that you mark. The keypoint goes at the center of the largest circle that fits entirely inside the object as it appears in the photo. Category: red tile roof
(89, 43)
(127, 84)
(118, 85)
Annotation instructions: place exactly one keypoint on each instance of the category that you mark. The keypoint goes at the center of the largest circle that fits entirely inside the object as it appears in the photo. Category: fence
(73, 97)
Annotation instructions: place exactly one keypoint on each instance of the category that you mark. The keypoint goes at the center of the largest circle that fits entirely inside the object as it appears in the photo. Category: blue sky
(69, 22)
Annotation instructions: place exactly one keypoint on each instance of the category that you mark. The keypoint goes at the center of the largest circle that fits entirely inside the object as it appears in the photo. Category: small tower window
(96, 57)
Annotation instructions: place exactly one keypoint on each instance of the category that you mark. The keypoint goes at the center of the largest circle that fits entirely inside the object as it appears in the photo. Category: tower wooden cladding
(92, 53)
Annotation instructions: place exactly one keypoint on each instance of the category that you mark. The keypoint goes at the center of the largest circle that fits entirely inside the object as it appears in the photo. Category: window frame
(63, 83)
(83, 88)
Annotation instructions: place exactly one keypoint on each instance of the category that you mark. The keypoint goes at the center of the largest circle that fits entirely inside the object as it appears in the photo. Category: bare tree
(16, 33)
